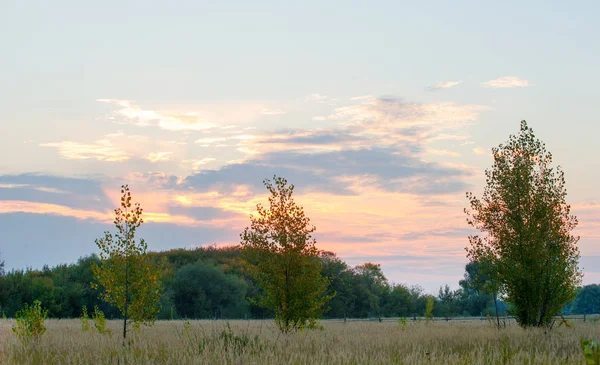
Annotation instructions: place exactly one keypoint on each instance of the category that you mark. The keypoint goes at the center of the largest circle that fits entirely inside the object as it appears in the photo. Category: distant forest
(212, 282)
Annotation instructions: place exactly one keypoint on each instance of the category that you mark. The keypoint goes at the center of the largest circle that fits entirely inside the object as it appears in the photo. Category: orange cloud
(19, 206)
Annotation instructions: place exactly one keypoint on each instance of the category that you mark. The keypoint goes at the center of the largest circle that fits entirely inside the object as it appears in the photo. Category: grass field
(258, 342)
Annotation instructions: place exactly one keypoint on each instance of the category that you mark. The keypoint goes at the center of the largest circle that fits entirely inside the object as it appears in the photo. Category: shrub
(85, 319)
(30, 322)
(402, 323)
(429, 309)
(100, 322)
(591, 351)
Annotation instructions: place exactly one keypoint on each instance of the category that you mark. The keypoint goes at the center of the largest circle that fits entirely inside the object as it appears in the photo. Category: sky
(382, 114)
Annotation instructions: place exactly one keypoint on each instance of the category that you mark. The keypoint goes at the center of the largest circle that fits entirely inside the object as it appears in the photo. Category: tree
(372, 289)
(448, 302)
(482, 278)
(203, 290)
(284, 259)
(399, 303)
(588, 300)
(340, 278)
(128, 276)
(1, 267)
(528, 228)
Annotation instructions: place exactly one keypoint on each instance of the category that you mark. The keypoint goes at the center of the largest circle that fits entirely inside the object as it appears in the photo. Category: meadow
(260, 342)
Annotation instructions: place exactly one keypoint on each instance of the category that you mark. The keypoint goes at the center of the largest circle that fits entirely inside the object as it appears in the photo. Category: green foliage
(373, 288)
(85, 319)
(591, 351)
(429, 309)
(100, 322)
(360, 291)
(187, 326)
(528, 242)
(129, 277)
(30, 322)
(284, 260)
(203, 290)
(402, 323)
(588, 300)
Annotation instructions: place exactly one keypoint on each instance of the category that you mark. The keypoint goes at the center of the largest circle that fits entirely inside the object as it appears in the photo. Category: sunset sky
(381, 113)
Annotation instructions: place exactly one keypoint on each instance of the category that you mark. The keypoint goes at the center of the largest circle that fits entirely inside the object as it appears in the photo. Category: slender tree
(284, 259)
(127, 274)
(528, 225)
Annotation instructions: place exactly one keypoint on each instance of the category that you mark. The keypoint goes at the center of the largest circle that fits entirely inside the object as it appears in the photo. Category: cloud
(112, 147)
(267, 111)
(362, 97)
(75, 193)
(158, 156)
(202, 118)
(102, 150)
(388, 169)
(317, 98)
(169, 121)
(388, 122)
(393, 119)
(195, 165)
(444, 85)
(370, 167)
(506, 82)
(22, 206)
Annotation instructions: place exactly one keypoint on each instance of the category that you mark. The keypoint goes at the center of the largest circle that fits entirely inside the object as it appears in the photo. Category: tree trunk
(496, 306)
(126, 300)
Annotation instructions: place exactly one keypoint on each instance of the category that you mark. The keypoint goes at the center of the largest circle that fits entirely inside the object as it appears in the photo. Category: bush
(85, 320)
(100, 322)
(591, 351)
(429, 309)
(30, 322)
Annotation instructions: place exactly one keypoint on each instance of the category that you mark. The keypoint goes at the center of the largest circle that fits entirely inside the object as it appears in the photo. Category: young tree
(127, 274)
(528, 225)
(284, 259)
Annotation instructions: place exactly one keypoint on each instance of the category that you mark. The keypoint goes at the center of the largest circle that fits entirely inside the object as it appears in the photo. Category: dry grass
(258, 342)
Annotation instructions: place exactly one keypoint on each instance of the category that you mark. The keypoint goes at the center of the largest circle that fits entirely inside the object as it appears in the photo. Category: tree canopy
(283, 257)
(527, 225)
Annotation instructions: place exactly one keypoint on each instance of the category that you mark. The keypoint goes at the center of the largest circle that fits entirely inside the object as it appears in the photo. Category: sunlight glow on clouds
(102, 150)
(159, 156)
(379, 177)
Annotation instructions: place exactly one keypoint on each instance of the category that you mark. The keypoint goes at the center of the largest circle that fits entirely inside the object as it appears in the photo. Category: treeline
(213, 282)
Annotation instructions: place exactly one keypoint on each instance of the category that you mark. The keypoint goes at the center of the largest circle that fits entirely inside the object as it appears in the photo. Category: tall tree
(284, 259)
(372, 290)
(127, 274)
(528, 225)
